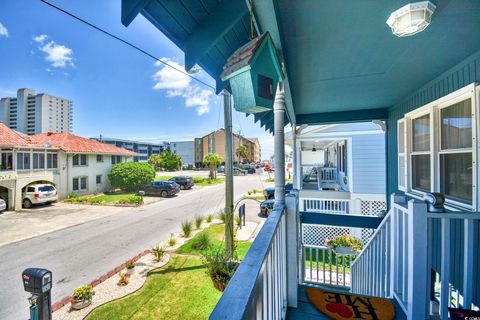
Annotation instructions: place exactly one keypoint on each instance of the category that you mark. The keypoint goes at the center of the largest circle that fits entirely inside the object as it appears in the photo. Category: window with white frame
(402, 168)
(436, 147)
(342, 157)
(23, 160)
(52, 161)
(38, 160)
(80, 160)
(455, 154)
(79, 183)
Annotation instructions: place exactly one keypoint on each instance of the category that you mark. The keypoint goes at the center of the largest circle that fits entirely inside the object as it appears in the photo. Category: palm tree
(241, 152)
(212, 160)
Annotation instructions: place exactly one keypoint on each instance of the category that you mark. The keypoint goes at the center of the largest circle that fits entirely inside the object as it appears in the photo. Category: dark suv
(160, 188)
(269, 193)
(183, 181)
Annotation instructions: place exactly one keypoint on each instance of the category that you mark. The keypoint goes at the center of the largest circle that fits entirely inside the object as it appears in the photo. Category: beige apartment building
(214, 142)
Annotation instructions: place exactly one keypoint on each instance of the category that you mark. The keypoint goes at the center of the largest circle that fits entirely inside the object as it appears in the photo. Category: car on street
(266, 206)
(221, 169)
(183, 181)
(239, 171)
(163, 188)
(251, 170)
(3, 205)
(269, 193)
(40, 193)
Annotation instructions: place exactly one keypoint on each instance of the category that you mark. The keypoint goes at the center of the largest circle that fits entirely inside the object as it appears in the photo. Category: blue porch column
(279, 144)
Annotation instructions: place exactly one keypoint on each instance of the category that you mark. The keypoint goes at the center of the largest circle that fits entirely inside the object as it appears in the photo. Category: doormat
(342, 306)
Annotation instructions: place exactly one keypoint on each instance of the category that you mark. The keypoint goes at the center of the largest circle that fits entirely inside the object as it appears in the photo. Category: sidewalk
(253, 221)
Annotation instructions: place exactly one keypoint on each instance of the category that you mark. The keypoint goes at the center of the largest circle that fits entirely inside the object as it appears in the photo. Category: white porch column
(279, 144)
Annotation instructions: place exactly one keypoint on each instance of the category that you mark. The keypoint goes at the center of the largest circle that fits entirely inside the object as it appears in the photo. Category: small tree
(212, 160)
(170, 161)
(155, 161)
(128, 176)
(241, 152)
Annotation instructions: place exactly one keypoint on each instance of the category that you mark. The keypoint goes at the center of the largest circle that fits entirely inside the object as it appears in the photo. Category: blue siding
(463, 74)
(369, 163)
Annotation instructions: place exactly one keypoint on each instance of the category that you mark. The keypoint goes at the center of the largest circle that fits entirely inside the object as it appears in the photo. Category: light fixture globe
(411, 18)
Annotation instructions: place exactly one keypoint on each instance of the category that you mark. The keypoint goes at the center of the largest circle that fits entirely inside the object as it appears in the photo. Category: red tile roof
(12, 138)
(68, 142)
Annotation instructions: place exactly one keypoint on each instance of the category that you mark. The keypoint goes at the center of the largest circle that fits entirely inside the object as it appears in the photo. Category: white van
(39, 193)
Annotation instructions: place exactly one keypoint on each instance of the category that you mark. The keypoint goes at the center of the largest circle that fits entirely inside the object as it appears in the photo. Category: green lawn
(215, 233)
(199, 181)
(104, 198)
(180, 290)
(273, 180)
(255, 197)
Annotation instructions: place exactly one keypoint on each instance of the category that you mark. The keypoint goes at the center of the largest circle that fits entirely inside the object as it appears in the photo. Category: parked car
(221, 169)
(162, 188)
(3, 205)
(239, 171)
(267, 206)
(269, 193)
(39, 194)
(183, 181)
(251, 170)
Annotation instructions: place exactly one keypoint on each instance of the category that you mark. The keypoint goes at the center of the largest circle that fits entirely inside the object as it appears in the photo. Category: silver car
(39, 193)
(3, 205)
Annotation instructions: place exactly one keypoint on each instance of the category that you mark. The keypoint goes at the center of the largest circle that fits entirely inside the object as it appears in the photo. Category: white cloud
(58, 55)
(178, 84)
(3, 31)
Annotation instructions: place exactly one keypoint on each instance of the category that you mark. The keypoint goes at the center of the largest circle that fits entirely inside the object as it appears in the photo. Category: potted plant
(219, 267)
(82, 297)
(345, 244)
(130, 266)
(122, 279)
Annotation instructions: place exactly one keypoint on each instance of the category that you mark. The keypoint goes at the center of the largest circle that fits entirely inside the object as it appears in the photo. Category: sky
(116, 91)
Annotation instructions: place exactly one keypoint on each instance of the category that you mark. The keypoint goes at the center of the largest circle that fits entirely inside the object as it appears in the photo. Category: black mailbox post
(38, 282)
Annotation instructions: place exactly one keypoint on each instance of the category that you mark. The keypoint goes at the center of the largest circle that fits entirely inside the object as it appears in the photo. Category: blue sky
(116, 91)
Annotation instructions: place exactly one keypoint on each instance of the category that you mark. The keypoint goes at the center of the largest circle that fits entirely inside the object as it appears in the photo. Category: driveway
(76, 255)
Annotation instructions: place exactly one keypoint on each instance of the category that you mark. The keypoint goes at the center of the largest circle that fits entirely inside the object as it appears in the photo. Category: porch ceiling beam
(212, 29)
(341, 220)
(131, 8)
(343, 116)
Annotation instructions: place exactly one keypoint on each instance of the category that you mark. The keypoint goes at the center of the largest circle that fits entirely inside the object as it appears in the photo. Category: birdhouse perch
(253, 72)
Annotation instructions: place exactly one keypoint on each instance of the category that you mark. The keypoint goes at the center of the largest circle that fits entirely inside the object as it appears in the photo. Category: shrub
(346, 240)
(83, 293)
(172, 241)
(238, 220)
(198, 221)
(219, 267)
(221, 215)
(158, 253)
(187, 228)
(209, 218)
(167, 160)
(129, 176)
(122, 279)
(132, 199)
(130, 264)
(201, 242)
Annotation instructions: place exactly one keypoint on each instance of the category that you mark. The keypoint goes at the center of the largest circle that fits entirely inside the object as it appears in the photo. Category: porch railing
(325, 205)
(327, 174)
(258, 290)
(410, 246)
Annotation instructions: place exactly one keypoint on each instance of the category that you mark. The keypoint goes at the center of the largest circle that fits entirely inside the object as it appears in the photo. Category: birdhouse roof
(243, 56)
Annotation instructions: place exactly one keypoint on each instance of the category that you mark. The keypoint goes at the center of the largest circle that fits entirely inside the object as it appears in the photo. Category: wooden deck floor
(306, 310)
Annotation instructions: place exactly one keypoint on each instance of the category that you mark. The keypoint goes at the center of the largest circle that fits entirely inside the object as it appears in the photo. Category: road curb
(66, 300)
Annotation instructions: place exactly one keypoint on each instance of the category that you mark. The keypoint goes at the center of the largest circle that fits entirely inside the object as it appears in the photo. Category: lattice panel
(316, 234)
(372, 207)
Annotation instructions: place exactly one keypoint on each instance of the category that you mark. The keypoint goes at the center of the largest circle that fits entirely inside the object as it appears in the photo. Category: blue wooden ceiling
(343, 63)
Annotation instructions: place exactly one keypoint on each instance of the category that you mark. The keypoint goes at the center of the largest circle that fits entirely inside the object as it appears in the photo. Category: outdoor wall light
(411, 18)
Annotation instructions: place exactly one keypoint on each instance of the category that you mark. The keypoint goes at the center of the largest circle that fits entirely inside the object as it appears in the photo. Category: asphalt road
(82, 253)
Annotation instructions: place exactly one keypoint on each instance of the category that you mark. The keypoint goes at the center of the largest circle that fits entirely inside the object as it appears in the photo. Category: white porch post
(279, 145)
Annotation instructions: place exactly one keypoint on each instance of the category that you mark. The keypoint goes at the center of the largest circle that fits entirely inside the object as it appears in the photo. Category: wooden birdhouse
(253, 72)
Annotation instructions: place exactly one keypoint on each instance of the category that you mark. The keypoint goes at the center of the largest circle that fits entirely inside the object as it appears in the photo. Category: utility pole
(228, 174)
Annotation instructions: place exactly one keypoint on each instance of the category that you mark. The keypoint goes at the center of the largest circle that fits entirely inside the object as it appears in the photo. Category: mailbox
(37, 280)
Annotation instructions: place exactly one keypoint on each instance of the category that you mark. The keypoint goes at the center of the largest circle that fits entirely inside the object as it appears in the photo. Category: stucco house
(72, 163)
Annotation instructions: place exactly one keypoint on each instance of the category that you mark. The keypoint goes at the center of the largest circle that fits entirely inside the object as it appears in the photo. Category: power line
(127, 43)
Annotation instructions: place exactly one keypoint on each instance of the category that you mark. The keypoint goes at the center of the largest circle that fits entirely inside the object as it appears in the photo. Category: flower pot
(344, 250)
(130, 271)
(80, 304)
